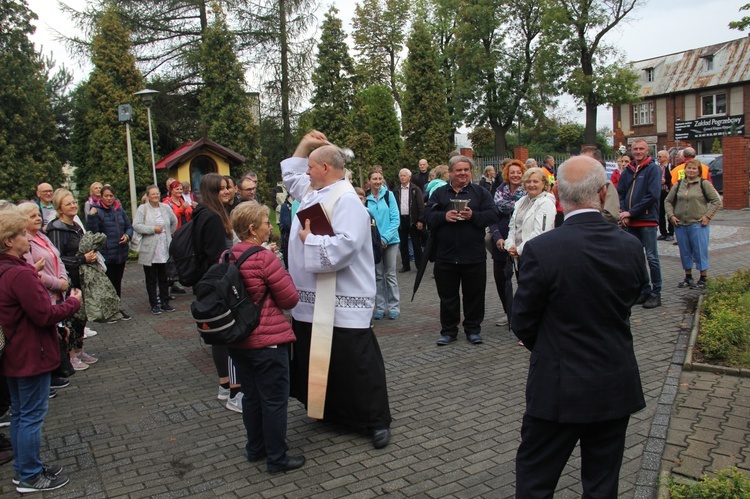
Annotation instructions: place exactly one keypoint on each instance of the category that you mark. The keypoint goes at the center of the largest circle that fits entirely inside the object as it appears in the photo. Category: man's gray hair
(583, 191)
(688, 152)
(331, 156)
(547, 158)
(460, 159)
(404, 170)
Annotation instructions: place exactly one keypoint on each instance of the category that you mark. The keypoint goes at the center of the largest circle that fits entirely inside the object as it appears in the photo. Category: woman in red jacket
(28, 320)
(262, 359)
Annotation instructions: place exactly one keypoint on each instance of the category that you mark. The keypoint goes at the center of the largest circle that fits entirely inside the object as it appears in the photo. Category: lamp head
(147, 96)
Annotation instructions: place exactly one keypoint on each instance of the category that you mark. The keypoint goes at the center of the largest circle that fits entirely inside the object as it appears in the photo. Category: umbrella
(427, 254)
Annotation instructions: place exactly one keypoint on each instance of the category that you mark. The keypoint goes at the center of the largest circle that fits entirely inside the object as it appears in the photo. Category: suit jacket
(416, 202)
(576, 287)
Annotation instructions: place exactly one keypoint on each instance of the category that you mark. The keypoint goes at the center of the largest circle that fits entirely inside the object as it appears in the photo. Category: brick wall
(736, 150)
(521, 154)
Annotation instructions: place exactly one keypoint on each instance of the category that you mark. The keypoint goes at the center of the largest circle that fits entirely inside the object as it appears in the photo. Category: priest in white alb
(337, 368)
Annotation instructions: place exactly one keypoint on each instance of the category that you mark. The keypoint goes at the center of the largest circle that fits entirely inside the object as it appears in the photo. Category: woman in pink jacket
(262, 359)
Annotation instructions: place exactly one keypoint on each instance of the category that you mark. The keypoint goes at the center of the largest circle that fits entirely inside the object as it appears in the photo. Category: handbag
(65, 369)
(135, 243)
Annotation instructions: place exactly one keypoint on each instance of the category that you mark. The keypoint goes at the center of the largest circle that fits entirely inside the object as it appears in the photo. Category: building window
(643, 113)
(709, 62)
(650, 74)
(715, 104)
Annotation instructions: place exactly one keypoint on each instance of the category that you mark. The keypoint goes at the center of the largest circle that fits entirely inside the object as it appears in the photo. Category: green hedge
(725, 320)
(728, 484)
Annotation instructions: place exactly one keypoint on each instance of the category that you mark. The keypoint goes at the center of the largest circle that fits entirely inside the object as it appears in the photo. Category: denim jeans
(647, 236)
(29, 399)
(387, 297)
(264, 376)
(693, 243)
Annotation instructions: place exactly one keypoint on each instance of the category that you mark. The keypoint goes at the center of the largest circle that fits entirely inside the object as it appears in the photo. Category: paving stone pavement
(145, 422)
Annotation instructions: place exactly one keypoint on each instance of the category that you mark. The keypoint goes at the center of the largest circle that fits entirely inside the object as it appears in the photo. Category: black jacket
(463, 241)
(208, 235)
(421, 179)
(416, 202)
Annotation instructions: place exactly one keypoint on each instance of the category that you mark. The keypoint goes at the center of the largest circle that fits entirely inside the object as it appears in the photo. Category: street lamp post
(124, 114)
(147, 96)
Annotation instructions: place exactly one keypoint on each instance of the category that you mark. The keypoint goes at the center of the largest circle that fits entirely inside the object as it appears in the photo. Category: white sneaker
(78, 364)
(235, 403)
(88, 332)
(502, 321)
(223, 393)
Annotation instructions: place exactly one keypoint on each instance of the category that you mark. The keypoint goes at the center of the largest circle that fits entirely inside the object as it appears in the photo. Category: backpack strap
(244, 256)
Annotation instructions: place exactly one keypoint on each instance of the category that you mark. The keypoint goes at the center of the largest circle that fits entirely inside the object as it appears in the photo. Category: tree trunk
(589, 133)
(501, 144)
(284, 48)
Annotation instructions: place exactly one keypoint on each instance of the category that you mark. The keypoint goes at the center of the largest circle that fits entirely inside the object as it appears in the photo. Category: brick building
(689, 98)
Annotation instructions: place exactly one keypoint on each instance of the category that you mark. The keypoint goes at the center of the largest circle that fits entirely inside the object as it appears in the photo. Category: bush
(725, 319)
(728, 484)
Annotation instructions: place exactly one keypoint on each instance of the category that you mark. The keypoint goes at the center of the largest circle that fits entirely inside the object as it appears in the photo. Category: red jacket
(263, 270)
(28, 319)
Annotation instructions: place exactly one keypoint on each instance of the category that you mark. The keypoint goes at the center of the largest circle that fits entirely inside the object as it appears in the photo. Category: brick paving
(145, 422)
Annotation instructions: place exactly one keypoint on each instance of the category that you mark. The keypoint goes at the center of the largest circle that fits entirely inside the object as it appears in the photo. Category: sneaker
(642, 298)
(235, 403)
(125, 317)
(52, 393)
(652, 301)
(393, 315)
(661, 238)
(701, 284)
(5, 444)
(167, 307)
(57, 382)
(78, 364)
(669, 238)
(378, 316)
(87, 358)
(49, 469)
(42, 482)
(687, 283)
(88, 332)
(155, 310)
(502, 321)
(223, 393)
(5, 420)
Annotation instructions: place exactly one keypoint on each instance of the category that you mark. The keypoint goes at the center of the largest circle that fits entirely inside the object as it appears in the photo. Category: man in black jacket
(422, 177)
(411, 208)
(460, 257)
(572, 311)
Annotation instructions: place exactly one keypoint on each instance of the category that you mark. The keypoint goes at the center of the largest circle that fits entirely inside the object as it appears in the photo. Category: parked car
(715, 163)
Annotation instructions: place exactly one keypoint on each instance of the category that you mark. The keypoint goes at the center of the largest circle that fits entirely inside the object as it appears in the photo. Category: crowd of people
(336, 285)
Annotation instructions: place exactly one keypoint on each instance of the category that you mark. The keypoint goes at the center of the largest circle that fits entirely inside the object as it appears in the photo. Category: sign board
(124, 112)
(709, 127)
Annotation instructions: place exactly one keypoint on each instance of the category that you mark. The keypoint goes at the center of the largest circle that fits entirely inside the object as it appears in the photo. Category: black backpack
(184, 255)
(377, 246)
(223, 310)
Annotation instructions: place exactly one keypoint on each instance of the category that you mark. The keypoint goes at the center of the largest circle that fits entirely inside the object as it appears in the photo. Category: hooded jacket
(386, 215)
(113, 222)
(639, 189)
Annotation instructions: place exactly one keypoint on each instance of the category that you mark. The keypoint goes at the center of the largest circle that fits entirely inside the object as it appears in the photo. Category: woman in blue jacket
(381, 203)
(108, 217)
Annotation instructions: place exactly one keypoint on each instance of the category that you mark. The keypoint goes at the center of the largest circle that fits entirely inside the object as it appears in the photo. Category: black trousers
(115, 271)
(502, 271)
(547, 445)
(156, 279)
(264, 376)
(665, 226)
(471, 279)
(406, 230)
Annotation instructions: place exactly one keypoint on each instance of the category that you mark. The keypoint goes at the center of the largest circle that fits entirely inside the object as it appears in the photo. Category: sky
(655, 28)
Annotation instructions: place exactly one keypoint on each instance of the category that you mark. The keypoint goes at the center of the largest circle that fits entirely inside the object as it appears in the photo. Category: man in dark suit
(411, 209)
(572, 311)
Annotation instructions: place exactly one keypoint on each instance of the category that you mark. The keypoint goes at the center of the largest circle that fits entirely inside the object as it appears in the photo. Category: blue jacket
(112, 222)
(386, 215)
(640, 191)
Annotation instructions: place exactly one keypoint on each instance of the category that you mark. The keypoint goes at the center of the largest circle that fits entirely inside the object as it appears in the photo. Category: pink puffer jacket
(263, 270)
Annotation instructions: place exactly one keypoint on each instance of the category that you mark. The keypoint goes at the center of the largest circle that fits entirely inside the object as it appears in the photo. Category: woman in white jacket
(534, 213)
(155, 222)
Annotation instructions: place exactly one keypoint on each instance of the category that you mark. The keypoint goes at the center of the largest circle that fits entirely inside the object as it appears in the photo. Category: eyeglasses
(46, 192)
(251, 189)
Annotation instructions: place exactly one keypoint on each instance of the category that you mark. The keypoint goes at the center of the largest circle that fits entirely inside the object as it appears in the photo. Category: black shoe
(642, 299)
(661, 238)
(125, 317)
(381, 437)
(653, 301)
(687, 283)
(669, 237)
(58, 382)
(404, 269)
(42, 482)
(48, 469)
(444, 340)
(701, 284)
(292, 463)
(474, 339)
(5, 421)
(5, 443)
(52, 393)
